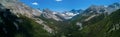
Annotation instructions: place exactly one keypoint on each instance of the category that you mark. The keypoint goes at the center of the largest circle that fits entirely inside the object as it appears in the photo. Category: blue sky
(65, 5)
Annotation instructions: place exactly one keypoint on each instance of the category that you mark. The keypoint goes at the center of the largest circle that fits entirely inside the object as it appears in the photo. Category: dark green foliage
(62, 27)
(7, 27)
(102, 28)
(99, 26)
(95, 19)
(32, 29)
(13, 26)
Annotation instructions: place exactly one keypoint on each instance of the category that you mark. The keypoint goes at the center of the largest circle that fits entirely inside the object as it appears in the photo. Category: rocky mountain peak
(113, 7)
(17, 8)
(47, 10)
(76, 11)
(95, 9)
(48, 14)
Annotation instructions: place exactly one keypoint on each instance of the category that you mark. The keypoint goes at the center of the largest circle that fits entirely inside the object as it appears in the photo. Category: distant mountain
(20, 8)
(48, 14)
(69, 14)
(95, 10)
(76, 11)
(93, 14)
(109, 26)
(113, 7)
(19, 20)
(92, 11)
(13, 26)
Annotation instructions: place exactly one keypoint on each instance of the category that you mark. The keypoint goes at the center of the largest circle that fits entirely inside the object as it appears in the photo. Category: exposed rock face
(102, 9)
(19, 8)
(94, 9)
(69, 14)
(113, 7)
(47, 28)
(50, 15)
(76, 11)
(80, 25)
(90, 17)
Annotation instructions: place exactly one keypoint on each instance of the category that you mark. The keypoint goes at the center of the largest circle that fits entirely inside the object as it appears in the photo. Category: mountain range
(20, 20)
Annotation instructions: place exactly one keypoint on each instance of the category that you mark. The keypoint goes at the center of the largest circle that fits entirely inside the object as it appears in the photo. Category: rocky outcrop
(48, 14)
(113, 7)
(17, 8)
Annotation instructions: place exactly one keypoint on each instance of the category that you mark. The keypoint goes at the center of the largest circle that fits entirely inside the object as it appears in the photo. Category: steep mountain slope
(20, 8)
(48, 14)
(107, 27)
(93, 11)
(19, 20)
(113, 7)
(94, 23)
(69, 14)
(89, 14)
(76, 11)
(22, 26)
(30, 24)
(17, 8)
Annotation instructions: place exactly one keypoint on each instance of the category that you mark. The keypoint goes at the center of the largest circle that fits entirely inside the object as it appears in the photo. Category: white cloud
(35, 3)
(58, 0)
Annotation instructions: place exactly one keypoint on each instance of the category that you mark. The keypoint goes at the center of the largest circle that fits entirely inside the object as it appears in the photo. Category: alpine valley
(20, 20)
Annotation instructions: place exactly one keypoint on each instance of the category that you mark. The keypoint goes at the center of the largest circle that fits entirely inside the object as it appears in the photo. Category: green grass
(101, 28)
(29, 28)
